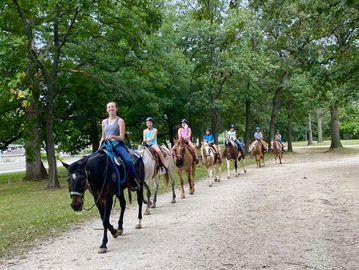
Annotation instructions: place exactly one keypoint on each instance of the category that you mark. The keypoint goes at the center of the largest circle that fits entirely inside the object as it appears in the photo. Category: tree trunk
(214, 124)
(35, 169)
(334, 129)
(94, 133)
(274, 116)
(247, 131)
(309, 130)
(319, 124)
(290, 127)
(50, 139)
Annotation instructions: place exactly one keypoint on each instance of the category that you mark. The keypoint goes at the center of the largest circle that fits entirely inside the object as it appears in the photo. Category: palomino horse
(257, 151)
(277, 151)
(231, 151)
(97, 173)
(212, 162)
(152, 172)
(182, 157)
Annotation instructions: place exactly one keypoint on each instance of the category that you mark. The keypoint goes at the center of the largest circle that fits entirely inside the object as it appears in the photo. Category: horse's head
(228, 150)
(206, 150)
(178, 153)
(77, 180)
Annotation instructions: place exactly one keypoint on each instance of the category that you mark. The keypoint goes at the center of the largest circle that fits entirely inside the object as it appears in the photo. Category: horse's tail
(167, 180)
(129, 196)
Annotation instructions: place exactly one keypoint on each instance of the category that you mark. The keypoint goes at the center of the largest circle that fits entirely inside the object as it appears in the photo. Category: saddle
(154, 155)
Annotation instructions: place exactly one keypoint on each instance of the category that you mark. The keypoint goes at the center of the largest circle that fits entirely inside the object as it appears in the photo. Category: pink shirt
(184, 133)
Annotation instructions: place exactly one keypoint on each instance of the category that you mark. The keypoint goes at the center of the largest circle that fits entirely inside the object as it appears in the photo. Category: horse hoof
(228, 177)
(183, 196)
(147, 212)
(138, 226)
(173, 201)
(191, 192)
(102, 250)
(245, 171)
(210, 185)
(117, 233)
(153, 205)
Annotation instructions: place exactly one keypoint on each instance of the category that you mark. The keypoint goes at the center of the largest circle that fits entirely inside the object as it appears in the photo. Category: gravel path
(303, 214)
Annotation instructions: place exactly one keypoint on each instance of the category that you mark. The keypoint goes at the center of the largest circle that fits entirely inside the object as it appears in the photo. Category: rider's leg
(159, 152)
(121, 150)
(194, 149)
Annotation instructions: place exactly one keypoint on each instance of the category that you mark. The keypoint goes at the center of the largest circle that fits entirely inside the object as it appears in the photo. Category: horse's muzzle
(179, 163)
(77, 203)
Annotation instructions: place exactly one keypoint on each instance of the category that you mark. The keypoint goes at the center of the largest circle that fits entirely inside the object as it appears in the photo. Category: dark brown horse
(183, 159)
(277, 151)
(231, 151)
(96, 172)
(257, 151)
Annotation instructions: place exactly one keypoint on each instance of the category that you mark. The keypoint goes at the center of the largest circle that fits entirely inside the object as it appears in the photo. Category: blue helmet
(278, 130)
(258, 128)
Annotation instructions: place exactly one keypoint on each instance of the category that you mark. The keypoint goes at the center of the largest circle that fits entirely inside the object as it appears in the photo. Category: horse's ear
(65, 164)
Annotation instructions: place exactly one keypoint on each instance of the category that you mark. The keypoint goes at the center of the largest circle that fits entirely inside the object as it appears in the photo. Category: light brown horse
(183, 159)
(212, 161)
(257, 151)
(277, 151)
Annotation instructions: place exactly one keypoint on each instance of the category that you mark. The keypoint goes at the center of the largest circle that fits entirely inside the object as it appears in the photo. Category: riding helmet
(231, 126)
(149, 119)
(258, 128)
(278, 130)
(209, 129)
(184, 121)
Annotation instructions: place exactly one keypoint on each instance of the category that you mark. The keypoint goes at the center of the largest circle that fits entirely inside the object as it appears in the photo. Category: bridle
(104, 177)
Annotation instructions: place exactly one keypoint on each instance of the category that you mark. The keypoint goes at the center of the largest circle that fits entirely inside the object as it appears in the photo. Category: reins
(104, 176)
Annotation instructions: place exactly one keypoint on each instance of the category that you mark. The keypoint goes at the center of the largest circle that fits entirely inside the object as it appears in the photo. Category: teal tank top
(149, 135)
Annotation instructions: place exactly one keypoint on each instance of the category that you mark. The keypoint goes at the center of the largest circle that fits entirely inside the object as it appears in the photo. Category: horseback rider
(113, 130)
(232, 135)
(209, 138)
(278, 138)
(150, 139)
(258, 136)
(185, 133)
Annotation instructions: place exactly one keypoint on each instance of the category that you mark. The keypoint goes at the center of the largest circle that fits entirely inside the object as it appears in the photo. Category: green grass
(30, 212)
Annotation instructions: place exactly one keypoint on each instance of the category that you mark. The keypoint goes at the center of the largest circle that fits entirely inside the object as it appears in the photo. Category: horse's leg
(122, 200)
(210, 173)
(236, 166)
(193, 176)
(228, 167)
(106, 210)
(219, 165)
(181, 183)
(244, 164)
(263, 159)
(171, 176)
(155, 181)
(140, 202)
(190, 180)
(148, 193)
(239, 165)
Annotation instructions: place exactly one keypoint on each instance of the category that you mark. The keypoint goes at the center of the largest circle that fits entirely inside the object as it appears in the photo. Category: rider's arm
(179, 133)
(189, 133)
(144, 136)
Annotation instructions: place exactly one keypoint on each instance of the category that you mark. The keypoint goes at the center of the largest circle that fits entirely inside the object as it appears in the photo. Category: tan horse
(183, 159)
(277, 151)
(212, 161)
(257, 151)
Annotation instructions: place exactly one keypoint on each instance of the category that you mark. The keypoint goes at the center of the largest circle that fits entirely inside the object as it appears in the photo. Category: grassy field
(30, 212)
(325, 143)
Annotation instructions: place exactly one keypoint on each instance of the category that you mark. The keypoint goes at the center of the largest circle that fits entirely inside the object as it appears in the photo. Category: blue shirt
(208, 138)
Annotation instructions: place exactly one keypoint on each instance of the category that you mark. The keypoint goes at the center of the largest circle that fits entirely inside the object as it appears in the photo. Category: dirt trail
(303, 214)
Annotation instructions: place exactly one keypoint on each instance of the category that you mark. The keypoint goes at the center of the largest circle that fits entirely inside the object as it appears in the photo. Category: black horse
(96, 172)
